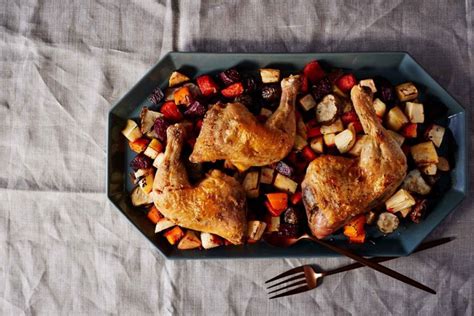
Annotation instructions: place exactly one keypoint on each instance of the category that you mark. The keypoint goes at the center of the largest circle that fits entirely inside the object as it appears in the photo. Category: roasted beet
(250, 84)
(196, 109)
(229, 76)
(271, 93)
(156, 96)
(140, 162)
(284, 169)
(160, 128)
(288, 230)
(290, 216)
(245, 99)
(385, 90)
(419, 210)
(322, 88)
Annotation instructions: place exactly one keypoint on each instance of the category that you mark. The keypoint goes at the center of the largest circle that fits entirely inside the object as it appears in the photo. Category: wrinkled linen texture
(66, 250)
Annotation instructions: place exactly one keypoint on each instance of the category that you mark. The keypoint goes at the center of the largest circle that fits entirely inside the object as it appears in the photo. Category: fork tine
(299, 276)
(284, 274)
(290, 285)
(298, 290)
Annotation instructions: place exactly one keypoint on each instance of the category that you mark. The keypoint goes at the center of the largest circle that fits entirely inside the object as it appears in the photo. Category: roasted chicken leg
(215, 205)
(336, 189)
(230, 132)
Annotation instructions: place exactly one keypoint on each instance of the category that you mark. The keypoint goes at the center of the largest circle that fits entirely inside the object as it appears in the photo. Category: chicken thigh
(336, 189)
(215, 205)
(230, 132)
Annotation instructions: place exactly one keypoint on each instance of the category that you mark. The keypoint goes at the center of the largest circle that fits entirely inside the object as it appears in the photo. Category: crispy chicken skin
(215, 205)
(230, 132)
(335, 189)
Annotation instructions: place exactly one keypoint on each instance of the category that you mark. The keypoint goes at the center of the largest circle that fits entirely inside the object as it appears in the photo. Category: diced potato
(359, 144)
(255, 230)
(435, 133)
(273, 223)
(300, 142)
(146, 182)
(335, 127)
(424, 153)
(405, 212)
(147, 121)
(429, 169)
(266, 112)
(399, 201)
(345, 140)
(415, 183)
(379, 107)
(132, 131)
(369, 83)
(317, 144)
(284, 183)
(415, 112)
(443, 164)
(154, 148)
(163, 224)
(210, 241)
(140, 198)
(307, 102)
(177, 78)
(396, 119)
(266, 175)
(339, 92)
(328, 109)
(189, 241)
(330, 140)
(301, 128)
(270, 75)
(397, 137)
(406, 91)
(251, 184)
(387, 223)
(174, 235)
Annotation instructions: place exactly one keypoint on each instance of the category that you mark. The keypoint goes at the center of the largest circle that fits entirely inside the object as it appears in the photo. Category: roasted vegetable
(335, 127)
(345, 140)
(370, 218)
(314, 132)
(251, 184)
(229, 76)
(140, 198)
(207, 85)
(156, 96)
(255, 230)
(233, 90)
(163, 224)
(415, 112)
(170, 111)
(140, 162)
(154, 148)
(435, 133)
(288, 230)
(424, 153)
(296, 198)
(396, 119)
(146, 182)
(359, 144)
(322, 88)
(317, 145)
(190, 240)
(346, 82)
(273, 223)
(379, 107)
(284, 169)
(329, 140)
(271, 93)
(270, 75)
(139, 145)
(406, 91)
(147, 120)
(400, 200)
(132, 131)
(183, 96)
(419, 210)
(307, 102)
(210, 241)
(355, 230)
(410, 130)
(196, 109)
(429, 169)
(415, 183)
(159, 128)
(300, 142)
(313, 71)
(174, 235)
(308, 154)
(285, 184)
(266, 175)
(154, 215)
(328, 110)
(443, 164)
(278, 202)
(385, 90)
(387, 223)
(169, 93)
(369, 83)
(397, 137)
(177, 78)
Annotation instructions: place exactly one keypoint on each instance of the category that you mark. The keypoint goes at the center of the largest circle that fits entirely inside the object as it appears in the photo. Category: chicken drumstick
(215, 205)
(336, 189)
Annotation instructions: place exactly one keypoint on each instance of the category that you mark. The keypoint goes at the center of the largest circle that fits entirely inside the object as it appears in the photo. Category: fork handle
(356, 265)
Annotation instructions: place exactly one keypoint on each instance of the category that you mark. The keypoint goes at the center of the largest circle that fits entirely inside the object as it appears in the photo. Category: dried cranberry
(271, 93)
(321, 88)
(229, 76)
(288, 230)
(284, 169)
(156, 96)
(140, 162)
(160, 128)
(245, 99)
(196, 109)
(290, 216)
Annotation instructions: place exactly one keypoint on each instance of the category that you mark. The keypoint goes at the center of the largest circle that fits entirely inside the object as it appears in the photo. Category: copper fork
(307, 277)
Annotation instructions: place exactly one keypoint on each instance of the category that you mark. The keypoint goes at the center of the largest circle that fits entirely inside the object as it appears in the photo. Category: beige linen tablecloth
(64, 248)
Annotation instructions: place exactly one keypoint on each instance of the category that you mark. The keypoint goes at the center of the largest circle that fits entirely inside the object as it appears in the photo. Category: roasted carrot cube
(233, 90)
(171, 112)
(139, 145)
(278, 201)
(154, 215)
(183, 96)
(313, 71)
(409, 131)
(207, 85)
(355, 227)
(296, 198)
(174, 235)
(359, 239)
(272, 210)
